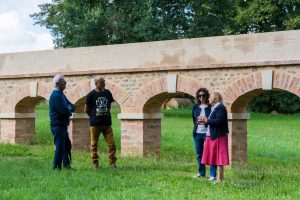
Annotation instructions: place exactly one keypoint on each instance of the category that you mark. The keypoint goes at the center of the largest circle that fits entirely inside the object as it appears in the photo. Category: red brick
(287, 82)
(282, 80)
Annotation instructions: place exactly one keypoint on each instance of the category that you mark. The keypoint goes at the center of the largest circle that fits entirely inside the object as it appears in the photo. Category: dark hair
(205, 91)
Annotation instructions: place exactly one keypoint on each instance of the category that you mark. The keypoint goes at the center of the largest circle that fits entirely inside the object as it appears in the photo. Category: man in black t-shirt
(98, 103)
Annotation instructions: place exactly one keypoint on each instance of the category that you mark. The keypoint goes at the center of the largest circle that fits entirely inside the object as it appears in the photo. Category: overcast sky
(17, 32)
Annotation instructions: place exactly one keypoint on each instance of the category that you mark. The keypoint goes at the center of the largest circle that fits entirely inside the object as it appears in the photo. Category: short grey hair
(217, 94)
(57, 78)
(98, 78)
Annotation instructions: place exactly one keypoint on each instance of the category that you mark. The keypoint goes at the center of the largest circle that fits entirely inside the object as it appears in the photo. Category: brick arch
(20, 97)
(44, 89)
(238, 94)
(150, 97)
(287, 82)
(151, 89)
(16, 96)
(77, 94)
(190, 86)
(28, 104)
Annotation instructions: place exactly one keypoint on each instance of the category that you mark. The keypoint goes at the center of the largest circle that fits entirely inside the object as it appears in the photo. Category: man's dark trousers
(62, 147)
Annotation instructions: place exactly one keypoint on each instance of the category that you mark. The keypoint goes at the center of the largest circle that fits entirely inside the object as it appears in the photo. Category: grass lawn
(273, 170)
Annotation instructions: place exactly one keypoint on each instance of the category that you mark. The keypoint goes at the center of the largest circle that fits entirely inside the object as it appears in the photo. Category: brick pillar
(17, 128)
(238, 137)
(79, 131)
(140, 133)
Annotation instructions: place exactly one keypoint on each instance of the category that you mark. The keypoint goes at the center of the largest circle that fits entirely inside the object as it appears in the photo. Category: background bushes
(282, 102)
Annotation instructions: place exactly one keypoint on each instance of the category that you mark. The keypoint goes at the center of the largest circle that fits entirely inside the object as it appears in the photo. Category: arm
(111, 97)
(71, 106)
(57, 103)
(87, 110)
(87, 107)
(220, 117)
(193, 110)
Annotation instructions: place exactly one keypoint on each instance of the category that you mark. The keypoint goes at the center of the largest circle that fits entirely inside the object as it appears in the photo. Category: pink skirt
(216, 151)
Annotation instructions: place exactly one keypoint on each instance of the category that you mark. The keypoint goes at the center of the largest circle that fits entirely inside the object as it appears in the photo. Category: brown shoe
(113, 166)
(96, 166)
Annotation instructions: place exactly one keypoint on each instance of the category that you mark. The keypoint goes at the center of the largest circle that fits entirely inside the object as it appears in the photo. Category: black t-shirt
(99, 104)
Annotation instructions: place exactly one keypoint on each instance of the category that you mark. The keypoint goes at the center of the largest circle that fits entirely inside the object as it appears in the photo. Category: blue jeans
(199, 145)
(62, 147)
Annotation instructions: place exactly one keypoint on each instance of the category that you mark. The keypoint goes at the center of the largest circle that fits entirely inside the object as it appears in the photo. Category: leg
(199, 142)
(109, 138)
(94, 130)
(59, 146)
(68, 146)
(220, 176)
(213, 171)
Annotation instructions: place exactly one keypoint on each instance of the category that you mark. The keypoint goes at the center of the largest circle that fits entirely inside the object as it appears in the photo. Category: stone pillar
(237, 143)
(17, 128)
(140, 133)
(79, 131)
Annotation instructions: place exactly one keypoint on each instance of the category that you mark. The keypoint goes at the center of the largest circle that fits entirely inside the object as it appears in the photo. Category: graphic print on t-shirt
(101, 106)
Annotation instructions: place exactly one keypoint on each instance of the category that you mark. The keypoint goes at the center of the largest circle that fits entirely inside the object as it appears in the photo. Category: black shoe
(69, 168)
(56, 168)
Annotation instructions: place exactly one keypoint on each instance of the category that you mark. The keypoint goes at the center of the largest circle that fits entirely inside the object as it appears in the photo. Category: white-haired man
(60, 111)
(98, 104)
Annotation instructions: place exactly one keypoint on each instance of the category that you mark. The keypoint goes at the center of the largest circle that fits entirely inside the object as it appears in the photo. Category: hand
(71, 108)
(205, 120)
(200, 120)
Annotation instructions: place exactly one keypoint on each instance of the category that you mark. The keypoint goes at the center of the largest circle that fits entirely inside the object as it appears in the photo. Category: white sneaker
(198, 176)
(212, 179)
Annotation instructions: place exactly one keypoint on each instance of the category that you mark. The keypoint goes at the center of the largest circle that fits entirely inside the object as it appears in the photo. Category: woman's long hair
(207, 95)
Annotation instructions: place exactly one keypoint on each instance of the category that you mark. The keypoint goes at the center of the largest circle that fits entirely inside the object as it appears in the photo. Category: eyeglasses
(201, 95)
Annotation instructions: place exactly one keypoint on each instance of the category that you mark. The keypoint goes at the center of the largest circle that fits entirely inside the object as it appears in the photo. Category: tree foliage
(75, 23)
(283, 102)
(267, 15)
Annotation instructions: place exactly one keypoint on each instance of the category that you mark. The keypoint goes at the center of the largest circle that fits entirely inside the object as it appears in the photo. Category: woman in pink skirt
(216, 144)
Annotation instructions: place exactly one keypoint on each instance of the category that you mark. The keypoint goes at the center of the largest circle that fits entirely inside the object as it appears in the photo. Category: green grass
(273, 170)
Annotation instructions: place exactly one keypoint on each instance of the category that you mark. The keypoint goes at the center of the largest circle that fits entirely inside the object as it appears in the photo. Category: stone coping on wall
(79, 116)
(259, 49)
(232, 116)
(154, 69)
(17, 115)
(33, 115)
(140, 115)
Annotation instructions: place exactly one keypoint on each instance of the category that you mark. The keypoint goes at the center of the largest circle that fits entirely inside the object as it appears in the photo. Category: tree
(267, 15)
(212, 18)
(75, 23)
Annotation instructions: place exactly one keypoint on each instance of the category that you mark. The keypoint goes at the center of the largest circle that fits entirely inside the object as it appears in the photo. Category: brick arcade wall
(17, 130)
(141, 76)
(140, 137)
(237, 140)
(7, 127)
(79, 133)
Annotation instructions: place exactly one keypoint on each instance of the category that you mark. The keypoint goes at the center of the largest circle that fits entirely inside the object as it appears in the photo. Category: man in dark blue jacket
(60, 111)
